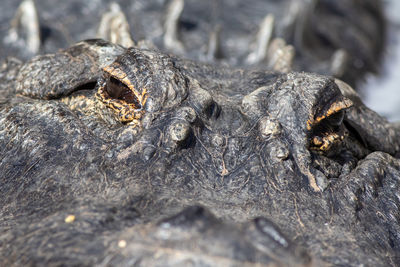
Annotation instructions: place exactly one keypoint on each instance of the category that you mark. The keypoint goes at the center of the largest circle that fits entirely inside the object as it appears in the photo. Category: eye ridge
(330, 111)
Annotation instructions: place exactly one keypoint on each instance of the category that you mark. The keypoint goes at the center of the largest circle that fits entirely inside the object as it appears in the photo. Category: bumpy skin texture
(77, 66)
(233, 141)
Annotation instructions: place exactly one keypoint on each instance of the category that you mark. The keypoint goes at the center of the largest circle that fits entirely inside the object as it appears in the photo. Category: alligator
(131, 156)
(119, 138)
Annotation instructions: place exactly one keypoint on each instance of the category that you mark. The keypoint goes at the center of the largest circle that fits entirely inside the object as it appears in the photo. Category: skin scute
(117, 156)
(181, 134)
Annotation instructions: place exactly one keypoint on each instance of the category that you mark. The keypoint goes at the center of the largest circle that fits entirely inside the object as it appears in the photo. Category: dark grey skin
(233, 141)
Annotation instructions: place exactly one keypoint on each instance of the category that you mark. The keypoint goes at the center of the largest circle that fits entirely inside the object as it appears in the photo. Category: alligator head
(243, 143)
(297, 123)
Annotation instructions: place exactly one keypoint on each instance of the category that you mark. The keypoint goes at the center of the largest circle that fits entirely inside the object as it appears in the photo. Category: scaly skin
(80, 187)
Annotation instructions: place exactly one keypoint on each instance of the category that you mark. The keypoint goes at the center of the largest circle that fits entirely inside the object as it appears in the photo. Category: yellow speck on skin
(122, 243)
(69, 218)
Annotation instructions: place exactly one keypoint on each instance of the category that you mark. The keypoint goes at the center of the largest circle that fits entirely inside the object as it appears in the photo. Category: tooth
(263, 37)
(171, 25)
(297, 19)
(338, 62)
(114, 27)
(25, 26)
(280, 56)
(214, 44)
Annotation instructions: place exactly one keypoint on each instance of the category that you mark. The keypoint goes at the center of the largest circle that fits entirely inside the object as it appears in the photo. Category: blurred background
(382, 92)
(318, 30)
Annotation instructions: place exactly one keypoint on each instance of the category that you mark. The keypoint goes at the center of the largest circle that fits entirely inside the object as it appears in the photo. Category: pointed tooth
(25, 27)
(114, 27)
(214, 44)
(303, 20)
(280, 56)
(263, 37)
(297, 20)
(338, 62)
(171, 25)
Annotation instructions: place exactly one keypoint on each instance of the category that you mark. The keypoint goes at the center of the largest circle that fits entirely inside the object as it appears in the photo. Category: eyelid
(333, 109)
(121, 92)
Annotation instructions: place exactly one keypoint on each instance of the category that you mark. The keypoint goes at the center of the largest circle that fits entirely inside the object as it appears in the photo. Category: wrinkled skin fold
(236, 142)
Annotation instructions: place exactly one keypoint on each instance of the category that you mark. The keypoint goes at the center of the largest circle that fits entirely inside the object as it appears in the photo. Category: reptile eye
(335, 119)
(118, 90)
(329, 125)
(328, 131)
